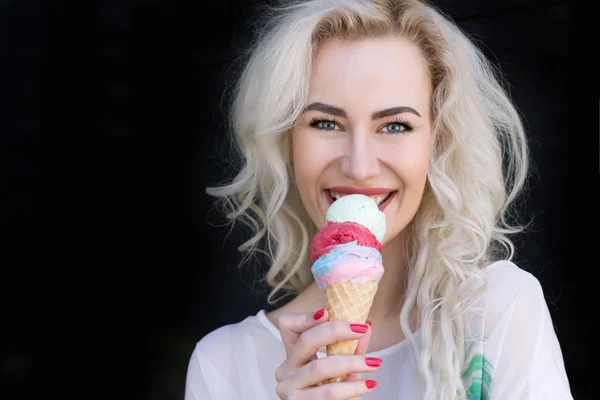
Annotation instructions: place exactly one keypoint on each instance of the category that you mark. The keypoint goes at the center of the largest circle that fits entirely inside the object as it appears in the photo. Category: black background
(104, 171)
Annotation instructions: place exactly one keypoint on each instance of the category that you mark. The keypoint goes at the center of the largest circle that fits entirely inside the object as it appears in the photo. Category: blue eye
(397, 127)
(323, 124)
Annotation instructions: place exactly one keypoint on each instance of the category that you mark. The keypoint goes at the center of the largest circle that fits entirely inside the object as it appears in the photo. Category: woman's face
(366, 129)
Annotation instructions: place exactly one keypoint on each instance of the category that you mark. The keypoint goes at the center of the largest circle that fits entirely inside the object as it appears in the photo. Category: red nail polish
(319, 314)
(373, 362)
(359, 328)
(371, 384)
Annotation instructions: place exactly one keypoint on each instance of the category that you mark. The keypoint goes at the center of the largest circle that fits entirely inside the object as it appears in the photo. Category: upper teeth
(378, 198)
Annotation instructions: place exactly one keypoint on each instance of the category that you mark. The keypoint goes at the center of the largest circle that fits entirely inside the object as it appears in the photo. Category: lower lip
(382, 206)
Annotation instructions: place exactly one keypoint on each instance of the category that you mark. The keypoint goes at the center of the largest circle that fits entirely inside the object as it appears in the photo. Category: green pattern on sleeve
(478, 373)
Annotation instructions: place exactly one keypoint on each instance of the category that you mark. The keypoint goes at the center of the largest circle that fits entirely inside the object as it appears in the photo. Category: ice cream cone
(351, 302)
(347, 263)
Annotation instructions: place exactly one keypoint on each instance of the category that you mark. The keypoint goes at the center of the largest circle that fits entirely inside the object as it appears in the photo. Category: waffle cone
(351, 302)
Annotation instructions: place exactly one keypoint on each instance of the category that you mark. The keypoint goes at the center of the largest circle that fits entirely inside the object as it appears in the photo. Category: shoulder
(506, 293)
(506, 279)
(213, 372)
(226, 339)
(504, 282)
(244, 340)
(230, 360)
(508, 271)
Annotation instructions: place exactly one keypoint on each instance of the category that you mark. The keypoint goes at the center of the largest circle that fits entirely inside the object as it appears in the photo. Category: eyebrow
(388, 112)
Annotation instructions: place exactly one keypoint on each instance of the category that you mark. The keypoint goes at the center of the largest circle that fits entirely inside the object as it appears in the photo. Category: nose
(360, 162)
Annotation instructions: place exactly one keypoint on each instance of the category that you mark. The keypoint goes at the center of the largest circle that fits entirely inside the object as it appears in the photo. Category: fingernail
(319, 314)
(359, 328)
(371, 384)
(373, 362)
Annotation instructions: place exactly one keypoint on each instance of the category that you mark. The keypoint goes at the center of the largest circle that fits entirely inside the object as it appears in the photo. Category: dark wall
(134, 267)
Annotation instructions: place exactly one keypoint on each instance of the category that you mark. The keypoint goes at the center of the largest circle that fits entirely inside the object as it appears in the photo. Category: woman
(387, 98)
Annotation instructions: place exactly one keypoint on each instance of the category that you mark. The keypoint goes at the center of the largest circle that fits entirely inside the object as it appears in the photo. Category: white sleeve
(195, 385)
(207, 370)
(524, 353)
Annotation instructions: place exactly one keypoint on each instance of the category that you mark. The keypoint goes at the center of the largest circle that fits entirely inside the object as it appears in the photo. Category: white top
(522, 356)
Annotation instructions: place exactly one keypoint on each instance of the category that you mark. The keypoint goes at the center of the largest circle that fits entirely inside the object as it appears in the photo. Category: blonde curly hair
(477, 168)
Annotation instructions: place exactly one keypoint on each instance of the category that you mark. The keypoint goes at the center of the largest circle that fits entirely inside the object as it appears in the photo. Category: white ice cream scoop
(360, 209)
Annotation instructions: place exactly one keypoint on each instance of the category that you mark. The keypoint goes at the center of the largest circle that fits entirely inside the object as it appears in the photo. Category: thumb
(363, 342)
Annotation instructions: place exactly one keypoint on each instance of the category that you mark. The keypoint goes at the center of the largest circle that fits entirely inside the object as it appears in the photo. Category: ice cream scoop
(360, 209)
(335, 233)
(348, 262)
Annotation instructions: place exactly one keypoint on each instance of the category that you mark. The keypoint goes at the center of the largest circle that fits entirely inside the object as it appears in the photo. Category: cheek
(299, 158)
(307, 162)
(412, 163)
(417, 167)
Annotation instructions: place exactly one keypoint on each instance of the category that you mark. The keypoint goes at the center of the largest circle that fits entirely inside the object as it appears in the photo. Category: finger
(329, 367)
(321, 335)
(337, 390)
(292, 325)
(361, 349)
(363, 342)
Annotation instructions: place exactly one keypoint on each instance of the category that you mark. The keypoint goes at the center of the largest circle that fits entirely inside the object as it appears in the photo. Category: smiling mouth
(378, 198)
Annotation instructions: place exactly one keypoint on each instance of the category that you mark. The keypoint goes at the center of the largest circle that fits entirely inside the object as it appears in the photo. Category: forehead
(370, 74)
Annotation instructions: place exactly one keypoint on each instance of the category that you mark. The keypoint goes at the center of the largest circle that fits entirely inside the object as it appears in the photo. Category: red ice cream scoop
(336, 233)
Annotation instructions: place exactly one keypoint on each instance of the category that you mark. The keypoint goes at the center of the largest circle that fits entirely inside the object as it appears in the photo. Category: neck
(392, 287)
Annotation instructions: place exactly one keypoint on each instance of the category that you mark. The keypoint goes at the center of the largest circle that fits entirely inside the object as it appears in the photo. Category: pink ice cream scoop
(348, 262)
